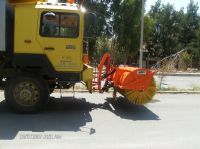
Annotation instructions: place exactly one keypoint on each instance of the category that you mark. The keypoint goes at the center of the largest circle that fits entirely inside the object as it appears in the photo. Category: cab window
(59, 25)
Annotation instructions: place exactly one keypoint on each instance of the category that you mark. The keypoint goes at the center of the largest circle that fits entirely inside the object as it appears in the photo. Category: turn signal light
(71, 1)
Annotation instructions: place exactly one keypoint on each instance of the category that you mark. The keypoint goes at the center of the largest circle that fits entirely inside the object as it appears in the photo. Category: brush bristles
(141, 97)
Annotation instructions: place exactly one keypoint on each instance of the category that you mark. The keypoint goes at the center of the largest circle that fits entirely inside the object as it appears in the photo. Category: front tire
(26, 93)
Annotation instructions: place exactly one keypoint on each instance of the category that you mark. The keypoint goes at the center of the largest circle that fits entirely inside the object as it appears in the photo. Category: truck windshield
(60, 25)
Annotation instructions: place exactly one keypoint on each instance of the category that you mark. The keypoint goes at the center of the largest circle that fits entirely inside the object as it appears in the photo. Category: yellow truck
(41, 47)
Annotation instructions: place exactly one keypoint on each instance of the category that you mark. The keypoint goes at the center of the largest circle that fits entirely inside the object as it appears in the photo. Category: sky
(177, 4)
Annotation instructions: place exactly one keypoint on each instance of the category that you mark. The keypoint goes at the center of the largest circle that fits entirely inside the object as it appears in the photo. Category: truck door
(61, 38)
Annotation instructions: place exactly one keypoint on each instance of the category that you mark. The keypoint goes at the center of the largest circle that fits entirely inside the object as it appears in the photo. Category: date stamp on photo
(40, 137)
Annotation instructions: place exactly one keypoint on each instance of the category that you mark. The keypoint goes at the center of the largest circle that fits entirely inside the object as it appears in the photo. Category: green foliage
(103, 45)
(100, 8)
(186, 58)
(185, 61)
(126, 24)
(166, 29)
(173, 31)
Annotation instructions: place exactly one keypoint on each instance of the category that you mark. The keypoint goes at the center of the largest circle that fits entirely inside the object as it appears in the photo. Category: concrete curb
(178, 92)
(180, 74)
(158, 92)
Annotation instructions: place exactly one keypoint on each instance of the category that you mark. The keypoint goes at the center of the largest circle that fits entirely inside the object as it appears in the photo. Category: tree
(169, 31)
(126, 27)
(167, 27)
(190, 34)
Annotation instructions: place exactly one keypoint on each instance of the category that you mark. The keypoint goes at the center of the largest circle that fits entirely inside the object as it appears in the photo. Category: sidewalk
(179, 82)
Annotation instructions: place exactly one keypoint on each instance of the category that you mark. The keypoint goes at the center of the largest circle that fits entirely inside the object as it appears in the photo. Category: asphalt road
(95, 122)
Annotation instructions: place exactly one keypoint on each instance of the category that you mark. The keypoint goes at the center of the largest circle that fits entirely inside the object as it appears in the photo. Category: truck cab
(55, 31)
(52, 32)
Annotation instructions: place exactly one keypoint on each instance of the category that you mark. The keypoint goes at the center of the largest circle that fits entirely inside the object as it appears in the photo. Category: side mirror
(90, 29)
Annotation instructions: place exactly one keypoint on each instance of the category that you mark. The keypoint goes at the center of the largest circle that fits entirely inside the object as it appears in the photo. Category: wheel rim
(26, 93)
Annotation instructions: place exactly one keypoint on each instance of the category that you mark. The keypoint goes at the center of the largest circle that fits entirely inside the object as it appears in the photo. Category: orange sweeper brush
(136, 84)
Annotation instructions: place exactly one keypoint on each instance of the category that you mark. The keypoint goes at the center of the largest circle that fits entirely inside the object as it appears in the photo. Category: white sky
(177, 3)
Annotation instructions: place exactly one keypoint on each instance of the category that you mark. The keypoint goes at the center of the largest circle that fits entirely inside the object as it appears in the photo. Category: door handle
(49, 48)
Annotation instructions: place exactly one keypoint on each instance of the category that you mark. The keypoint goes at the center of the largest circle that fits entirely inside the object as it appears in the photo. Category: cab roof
(58, 6)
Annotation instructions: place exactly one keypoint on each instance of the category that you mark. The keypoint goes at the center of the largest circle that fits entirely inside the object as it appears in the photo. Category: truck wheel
(26, 93)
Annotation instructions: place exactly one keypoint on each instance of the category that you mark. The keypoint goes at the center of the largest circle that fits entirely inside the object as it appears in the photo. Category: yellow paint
(25, 1)
(87, 76)
(26, 29)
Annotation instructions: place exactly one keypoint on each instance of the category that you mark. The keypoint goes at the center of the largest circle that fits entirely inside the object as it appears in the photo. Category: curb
(180, 74)
(178, 92)
(158, 92)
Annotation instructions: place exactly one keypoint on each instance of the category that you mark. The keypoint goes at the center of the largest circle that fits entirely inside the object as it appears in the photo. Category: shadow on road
(125, 110)
(65, 114)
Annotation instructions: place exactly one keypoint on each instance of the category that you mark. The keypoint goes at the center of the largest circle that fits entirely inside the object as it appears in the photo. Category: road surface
(95, 122)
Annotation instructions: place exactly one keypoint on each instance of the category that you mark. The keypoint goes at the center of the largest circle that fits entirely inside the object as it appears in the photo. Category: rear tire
(26, 93)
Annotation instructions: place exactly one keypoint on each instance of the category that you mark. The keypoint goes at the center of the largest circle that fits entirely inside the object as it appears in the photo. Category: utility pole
(142, 35)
